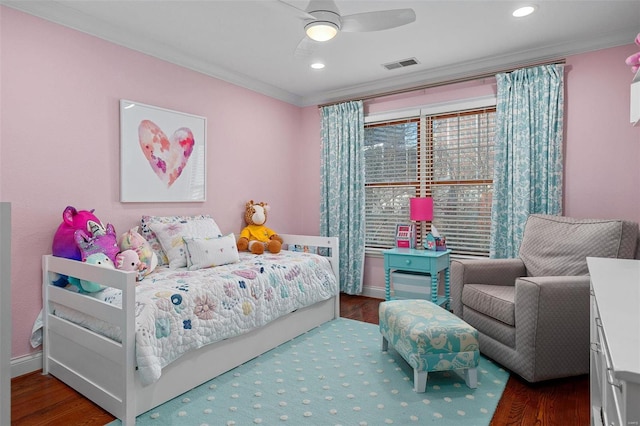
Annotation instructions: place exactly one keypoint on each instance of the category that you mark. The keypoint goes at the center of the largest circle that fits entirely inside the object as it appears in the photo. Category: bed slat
(87, 305)
(104, 346)
(108, 277)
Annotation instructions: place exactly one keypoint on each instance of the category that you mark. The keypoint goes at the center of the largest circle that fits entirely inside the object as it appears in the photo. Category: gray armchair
(532, 313)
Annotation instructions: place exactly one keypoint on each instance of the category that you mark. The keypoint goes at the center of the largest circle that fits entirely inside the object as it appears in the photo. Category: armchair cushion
(556, 245)
(495, 301)
(499, 272)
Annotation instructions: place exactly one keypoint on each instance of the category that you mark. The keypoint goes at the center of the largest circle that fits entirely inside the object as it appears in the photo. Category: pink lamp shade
(421, 208)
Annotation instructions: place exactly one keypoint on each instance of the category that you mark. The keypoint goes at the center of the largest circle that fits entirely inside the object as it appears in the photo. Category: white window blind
(391, 178)
(446, 156)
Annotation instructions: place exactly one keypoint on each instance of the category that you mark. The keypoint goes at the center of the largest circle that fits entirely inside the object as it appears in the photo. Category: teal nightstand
(424, 261)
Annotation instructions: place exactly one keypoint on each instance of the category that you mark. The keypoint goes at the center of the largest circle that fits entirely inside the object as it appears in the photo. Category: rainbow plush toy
(132, 240)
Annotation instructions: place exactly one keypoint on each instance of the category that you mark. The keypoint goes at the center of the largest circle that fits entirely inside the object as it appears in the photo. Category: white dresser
(615, 341)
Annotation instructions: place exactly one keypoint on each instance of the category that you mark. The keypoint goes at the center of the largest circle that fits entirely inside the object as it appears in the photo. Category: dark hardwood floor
(44, 400)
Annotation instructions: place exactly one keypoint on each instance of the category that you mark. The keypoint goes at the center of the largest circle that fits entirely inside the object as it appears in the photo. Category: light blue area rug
(336, 374)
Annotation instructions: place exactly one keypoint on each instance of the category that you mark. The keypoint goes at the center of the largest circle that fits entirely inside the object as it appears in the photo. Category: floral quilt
(179, 310)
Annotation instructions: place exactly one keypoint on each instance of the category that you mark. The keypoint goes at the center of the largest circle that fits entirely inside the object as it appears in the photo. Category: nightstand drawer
(410, 262)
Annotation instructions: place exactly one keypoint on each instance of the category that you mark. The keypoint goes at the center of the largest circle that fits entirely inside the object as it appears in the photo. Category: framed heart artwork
(162, 154)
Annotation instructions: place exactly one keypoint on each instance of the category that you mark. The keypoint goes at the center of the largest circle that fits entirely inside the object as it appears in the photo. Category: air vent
(401, 64)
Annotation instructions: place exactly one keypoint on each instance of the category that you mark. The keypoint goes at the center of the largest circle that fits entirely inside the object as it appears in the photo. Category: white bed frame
(104, 370)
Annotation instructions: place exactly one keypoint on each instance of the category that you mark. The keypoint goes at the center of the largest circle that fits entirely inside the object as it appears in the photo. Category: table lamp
(420, 210)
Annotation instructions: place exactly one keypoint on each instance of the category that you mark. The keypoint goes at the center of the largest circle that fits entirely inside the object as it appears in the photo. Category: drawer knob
(408, 261)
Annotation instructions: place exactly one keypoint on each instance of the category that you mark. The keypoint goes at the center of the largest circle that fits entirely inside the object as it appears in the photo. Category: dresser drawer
(611, 403)
(615, 323)
(612, 398)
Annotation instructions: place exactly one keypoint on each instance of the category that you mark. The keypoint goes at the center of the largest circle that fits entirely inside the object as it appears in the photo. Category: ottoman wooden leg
(419, 381)
(385, 344)
(471, 377)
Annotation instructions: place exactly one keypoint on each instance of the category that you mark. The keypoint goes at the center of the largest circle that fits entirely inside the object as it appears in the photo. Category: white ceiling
(252, 43)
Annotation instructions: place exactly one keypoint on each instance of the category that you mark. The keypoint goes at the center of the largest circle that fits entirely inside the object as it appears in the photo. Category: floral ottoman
(429, 338)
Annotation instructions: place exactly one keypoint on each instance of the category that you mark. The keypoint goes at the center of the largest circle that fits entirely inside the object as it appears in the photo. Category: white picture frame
(162, 154)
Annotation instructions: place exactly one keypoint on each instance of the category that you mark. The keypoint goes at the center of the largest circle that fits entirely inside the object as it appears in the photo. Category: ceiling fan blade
(302, 14)
(377, 21)
(306, 48)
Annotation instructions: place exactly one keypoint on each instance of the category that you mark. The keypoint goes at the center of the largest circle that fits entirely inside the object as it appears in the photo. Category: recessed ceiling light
(317, 65)
(523, 11)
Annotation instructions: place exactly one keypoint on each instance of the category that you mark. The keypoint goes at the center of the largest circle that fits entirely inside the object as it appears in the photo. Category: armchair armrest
(553, 313)
(481, 271)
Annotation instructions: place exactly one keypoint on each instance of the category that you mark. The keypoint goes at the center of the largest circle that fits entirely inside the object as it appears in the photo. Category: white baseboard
(26, 364)
(375, 292)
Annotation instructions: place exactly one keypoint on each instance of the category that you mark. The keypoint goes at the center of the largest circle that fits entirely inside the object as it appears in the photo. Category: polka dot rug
(335, 374)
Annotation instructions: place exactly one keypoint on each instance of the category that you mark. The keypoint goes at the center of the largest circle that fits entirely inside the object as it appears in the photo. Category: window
(446, 156)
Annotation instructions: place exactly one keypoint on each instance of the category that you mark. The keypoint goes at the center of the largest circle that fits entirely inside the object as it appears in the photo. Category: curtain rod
(445, 82)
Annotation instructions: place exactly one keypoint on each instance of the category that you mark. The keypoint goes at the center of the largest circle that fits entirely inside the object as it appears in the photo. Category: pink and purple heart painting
(167, 156)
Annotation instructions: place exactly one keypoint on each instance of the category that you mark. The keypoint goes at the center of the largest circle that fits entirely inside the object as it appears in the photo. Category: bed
(101, 362)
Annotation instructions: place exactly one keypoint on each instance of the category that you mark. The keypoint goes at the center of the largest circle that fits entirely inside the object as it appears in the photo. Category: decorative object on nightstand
(429, 242)
(406, 235)
(435, 241)
(421, 210)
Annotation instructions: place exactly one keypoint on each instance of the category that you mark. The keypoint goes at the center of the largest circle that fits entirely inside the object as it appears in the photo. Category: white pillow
(171, 237)
(208, 252)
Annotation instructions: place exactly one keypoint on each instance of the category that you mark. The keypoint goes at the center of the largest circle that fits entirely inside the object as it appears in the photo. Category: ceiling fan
(322, 22)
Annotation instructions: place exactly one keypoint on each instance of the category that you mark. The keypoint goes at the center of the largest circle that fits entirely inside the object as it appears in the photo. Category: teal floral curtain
(528, 153)
(342, 188)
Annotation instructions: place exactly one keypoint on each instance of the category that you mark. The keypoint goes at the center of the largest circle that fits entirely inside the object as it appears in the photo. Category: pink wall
(60, 144)
(602, 159)
(308, 181)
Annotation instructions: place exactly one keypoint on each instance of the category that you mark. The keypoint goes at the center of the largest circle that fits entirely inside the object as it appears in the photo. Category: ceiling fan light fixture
(321, 30)
(523, 11)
